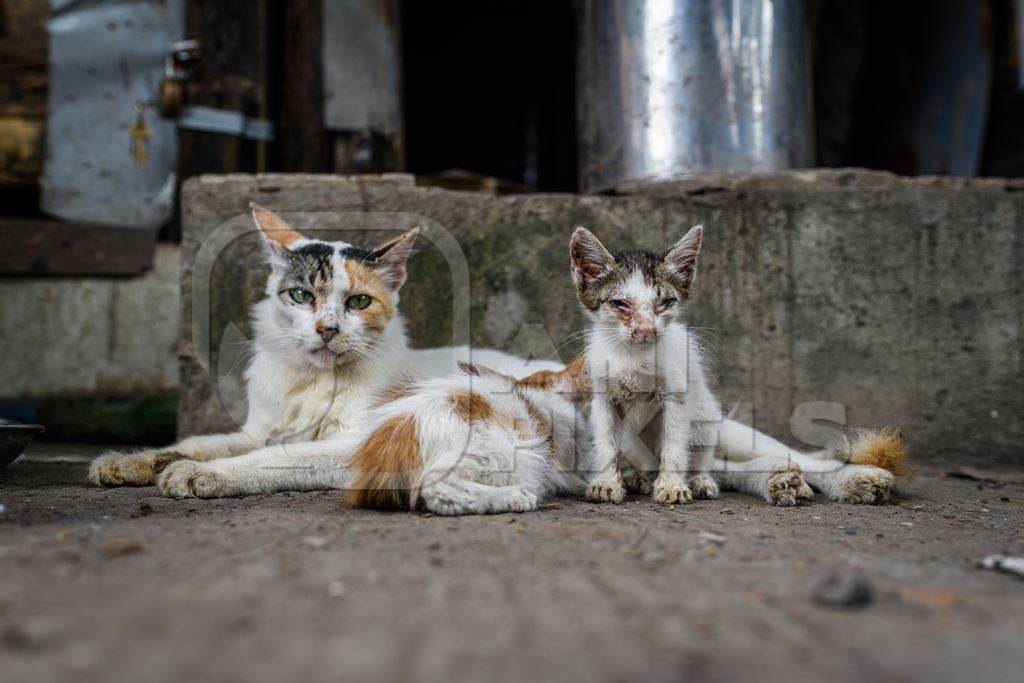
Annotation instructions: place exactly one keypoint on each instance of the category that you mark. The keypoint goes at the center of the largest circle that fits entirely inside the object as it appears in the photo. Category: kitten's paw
(786, 486)
(864, 485)
(704, 486)
(190, 479)
(129, 469)
(606, 491)
(635, 482)
(671, 490)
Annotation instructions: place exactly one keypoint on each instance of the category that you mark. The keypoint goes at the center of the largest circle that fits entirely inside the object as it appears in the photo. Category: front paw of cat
(129, 469)
(190, 479)
(671, 491)
(786, 486)
(606, 491)
(704, 486)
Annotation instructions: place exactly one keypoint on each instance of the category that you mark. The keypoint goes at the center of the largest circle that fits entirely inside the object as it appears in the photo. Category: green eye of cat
(359, 301)
(300, 296)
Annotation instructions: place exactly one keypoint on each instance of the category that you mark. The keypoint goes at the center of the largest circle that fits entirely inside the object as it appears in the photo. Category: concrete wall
(900, 299)
(91, 336)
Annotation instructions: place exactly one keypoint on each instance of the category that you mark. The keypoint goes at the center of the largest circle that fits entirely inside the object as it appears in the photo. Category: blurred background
(107, 107)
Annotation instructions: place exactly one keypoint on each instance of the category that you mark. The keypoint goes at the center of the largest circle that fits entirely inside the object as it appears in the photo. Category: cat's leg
(846, 483)
(309, 466)
(676, 421)
(603, 476)
(837, 480)
(142, 468)
(637, 463)
(703, 483)
(453, 495)
(778, 481)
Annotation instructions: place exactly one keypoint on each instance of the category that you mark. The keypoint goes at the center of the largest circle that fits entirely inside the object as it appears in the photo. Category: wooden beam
(35, 246)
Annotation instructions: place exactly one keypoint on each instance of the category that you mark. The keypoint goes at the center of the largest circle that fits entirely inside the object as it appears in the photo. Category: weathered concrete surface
(105, 337)
(122, 584)
(901, 299)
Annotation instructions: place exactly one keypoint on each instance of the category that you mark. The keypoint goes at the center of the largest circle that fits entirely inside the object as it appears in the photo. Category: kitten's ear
(590, 259)
(482, 371)
(277, 234)
(681, 258)
(389, 258)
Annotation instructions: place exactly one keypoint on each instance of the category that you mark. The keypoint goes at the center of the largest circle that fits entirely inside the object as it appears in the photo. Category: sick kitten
(646, 370)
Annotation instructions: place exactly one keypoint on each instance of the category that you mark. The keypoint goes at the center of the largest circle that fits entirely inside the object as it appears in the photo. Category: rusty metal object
(670, 88)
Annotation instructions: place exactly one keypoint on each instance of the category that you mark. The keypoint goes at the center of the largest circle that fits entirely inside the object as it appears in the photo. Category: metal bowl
(14, 438)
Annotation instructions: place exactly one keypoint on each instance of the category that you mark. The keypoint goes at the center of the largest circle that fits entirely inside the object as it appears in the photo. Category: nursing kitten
(477, 443)
(646, 368)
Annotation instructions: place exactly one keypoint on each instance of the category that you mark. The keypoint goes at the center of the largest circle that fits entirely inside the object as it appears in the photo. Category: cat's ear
(277, 234)
(590, 260)
(483, 371)
(681, 258)
(388, 259)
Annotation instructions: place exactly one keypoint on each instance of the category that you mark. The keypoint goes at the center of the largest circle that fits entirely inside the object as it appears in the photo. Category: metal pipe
(670, 88)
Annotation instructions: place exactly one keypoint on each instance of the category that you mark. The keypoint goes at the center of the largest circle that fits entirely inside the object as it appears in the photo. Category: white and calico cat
(328, 342)
(650, 390)
(645, 367)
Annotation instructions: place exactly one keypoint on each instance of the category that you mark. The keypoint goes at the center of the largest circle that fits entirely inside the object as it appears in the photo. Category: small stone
(909, 525)
(314, 541)
(850, 532)
(336, 589)
(727, 511)
(845, 590)
(710, 537)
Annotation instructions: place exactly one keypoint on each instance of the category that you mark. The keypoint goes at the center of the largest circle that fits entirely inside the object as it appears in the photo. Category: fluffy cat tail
(885, 448)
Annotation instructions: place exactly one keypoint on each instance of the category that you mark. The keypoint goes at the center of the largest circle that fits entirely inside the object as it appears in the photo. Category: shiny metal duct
(670, 88)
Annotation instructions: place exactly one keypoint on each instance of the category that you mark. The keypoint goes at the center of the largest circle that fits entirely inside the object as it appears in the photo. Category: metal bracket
(210, 120)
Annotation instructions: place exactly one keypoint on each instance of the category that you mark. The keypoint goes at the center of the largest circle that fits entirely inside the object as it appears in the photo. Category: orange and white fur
(478, 443)
(329, 341)
(650, 391)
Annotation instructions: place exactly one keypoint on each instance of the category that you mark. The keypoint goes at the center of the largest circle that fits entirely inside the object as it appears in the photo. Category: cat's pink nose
(643, 334)
(327, 333)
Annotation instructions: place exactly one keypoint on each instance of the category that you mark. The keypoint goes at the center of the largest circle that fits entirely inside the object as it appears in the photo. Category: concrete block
(102, 337)
(898, 300)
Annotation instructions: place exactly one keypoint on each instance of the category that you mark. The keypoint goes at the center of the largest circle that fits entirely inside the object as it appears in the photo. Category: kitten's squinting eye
(618, 303)
(359, 301)
(301, 296)
(666, 303)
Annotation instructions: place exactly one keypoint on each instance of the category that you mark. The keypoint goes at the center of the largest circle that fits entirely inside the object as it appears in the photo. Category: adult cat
(328, 343)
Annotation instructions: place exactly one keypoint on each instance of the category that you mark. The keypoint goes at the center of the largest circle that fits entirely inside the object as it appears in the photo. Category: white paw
(129, 469)
(786, 486)
(704, 486)
(865, 485)
(636, 482)
(671, 489)
(606, 490)
(521, 501)
(190, 479)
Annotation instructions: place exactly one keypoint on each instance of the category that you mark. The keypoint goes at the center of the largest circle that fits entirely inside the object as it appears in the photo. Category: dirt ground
(122, 584)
